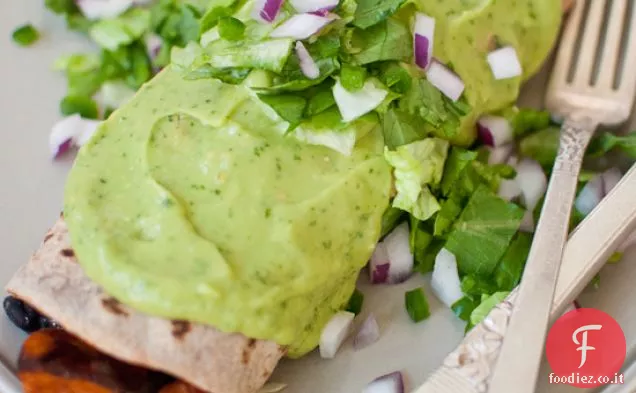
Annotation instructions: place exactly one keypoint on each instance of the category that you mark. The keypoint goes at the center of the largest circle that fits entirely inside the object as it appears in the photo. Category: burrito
(219, 220)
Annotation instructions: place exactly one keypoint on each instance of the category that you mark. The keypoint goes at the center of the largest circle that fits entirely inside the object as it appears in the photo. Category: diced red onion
(379, 265)
(71, 131)
(532, 181)
(445, 279)
(445, 80)
(509, 189)
(423, 39)
(504, 63)
(499, 155)
(266, 10)
(390, 383)
(301, 26)
(314, 5)
(354, 104)
(368, 333)
(527, 222)
(494, 131)
(334, 333)
(590, 196)
(398, 249)
(153, 45)
(611, 178)
(307, 64)
(273, 387)
(103, 9)
(62, 134)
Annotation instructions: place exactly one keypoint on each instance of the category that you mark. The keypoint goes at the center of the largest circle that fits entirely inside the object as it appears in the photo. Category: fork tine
(565, 54)
(628, 81)
(610, 54)
(591, 37)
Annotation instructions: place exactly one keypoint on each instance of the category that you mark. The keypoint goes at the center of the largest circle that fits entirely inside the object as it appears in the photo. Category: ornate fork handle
(476, 357)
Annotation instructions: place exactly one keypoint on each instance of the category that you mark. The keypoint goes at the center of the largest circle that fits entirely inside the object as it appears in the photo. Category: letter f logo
(583, 343)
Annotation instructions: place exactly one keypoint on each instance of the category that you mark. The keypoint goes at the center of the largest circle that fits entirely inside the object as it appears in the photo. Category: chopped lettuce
(439, 114)
(481, 235)
(270, 55)
(401, 128)
(510, 269)
(390, 219)
(525, 121)
(417, 166)
(123, 30)
(387, 40)
(542, 146)
(371, 12)
(457, 161)
(486, 305)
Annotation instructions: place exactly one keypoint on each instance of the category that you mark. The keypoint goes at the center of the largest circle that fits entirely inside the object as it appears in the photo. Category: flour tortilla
(55, 284)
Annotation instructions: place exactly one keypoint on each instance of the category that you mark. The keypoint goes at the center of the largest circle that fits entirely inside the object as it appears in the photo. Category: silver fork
(592, 84)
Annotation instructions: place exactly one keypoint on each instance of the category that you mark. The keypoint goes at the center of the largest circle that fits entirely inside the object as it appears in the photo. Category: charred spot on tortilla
(180, 328)
(247, 351)
(68, 252)
(48, 236)
(114, 306)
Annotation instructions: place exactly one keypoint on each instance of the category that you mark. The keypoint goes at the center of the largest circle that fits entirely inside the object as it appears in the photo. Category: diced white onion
(445, 279)
(313, 5)
(353, 105)
(504, 63)
(153, 45)
(368, 333)
(103, 9)
(494, 131)
(509, 189)
(611, 178)
(334, 333)
(390, 383)
(398, 249)
(590, 196)
(445, 80)
(300, 27)
(499, 155)
(423, 39)
(70, 131)
(532, 181)
(307, 64)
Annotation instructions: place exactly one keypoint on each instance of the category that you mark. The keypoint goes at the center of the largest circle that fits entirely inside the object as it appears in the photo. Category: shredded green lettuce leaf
(417, 166)
(371, 12)
(481, 235)
(123, 30)
(486, 305)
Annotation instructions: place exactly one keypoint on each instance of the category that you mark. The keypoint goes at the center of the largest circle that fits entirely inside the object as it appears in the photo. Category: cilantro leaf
(481, 235)
(370, 12)
(61, 6)
(388, 40)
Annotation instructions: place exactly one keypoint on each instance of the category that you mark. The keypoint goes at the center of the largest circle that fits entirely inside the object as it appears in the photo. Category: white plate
(31, 195)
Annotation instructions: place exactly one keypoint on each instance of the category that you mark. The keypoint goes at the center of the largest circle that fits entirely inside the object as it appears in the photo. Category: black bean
(21, 314)
(47, 323)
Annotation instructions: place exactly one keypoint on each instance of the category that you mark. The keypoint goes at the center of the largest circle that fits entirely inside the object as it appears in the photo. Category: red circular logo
(586, 348)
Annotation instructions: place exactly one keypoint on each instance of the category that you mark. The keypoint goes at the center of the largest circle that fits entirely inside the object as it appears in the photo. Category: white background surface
(31, 197)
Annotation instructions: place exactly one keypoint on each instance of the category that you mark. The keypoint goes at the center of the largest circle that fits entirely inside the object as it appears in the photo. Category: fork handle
(522, 349)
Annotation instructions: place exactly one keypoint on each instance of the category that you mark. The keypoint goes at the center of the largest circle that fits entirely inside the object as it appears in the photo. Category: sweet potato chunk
(54, 361)
(180, 387)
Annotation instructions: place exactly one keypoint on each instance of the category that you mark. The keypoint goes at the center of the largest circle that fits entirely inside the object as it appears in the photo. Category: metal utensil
(592, 84)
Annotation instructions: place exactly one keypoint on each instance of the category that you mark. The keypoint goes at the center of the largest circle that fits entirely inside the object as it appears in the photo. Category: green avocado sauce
(190, 203)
